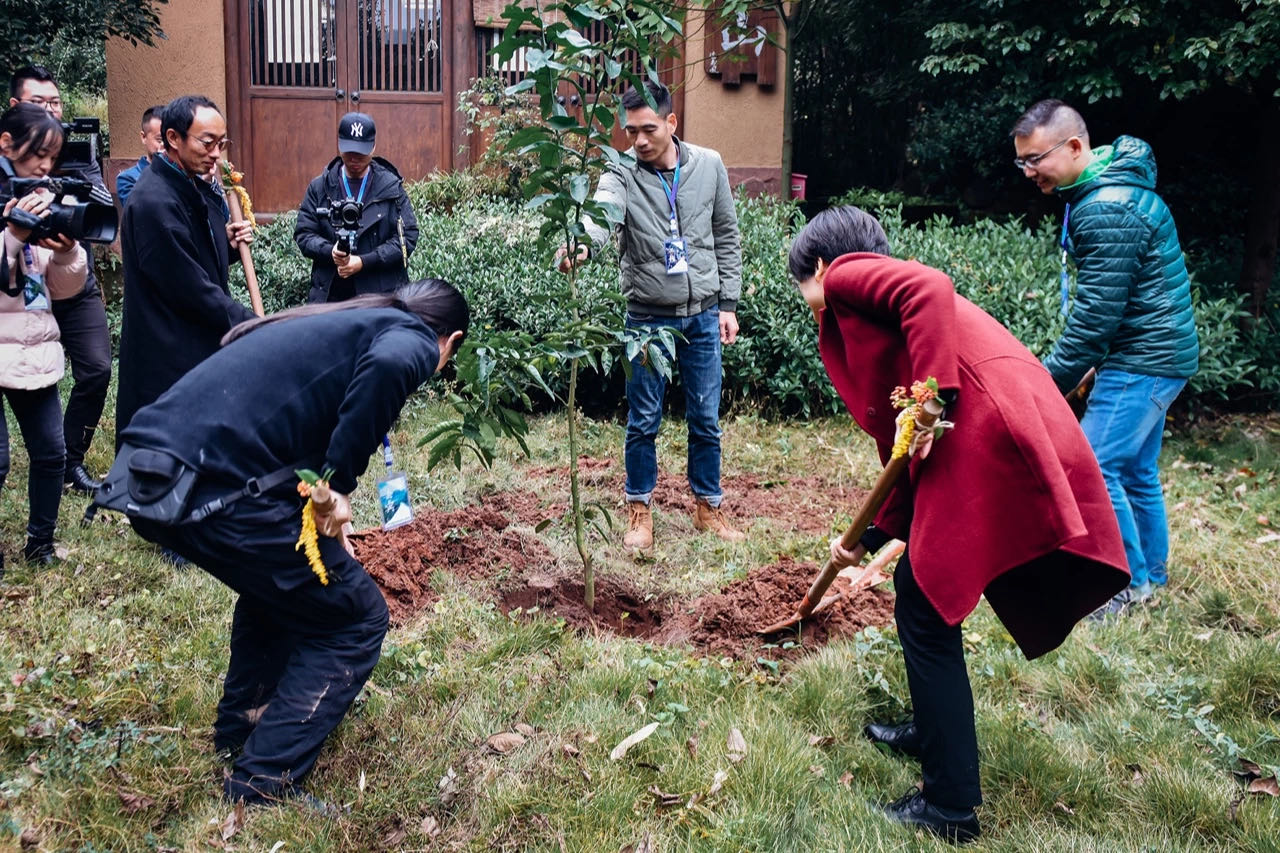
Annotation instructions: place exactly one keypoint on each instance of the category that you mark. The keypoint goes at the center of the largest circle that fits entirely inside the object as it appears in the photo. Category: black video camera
(92, 217)
(77, 155)
(344, 216)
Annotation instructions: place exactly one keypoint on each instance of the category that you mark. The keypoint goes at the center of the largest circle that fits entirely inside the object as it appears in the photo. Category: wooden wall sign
(741, 45)
(488, 13)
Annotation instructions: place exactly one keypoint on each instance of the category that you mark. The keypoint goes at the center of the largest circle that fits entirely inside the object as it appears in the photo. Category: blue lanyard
(363, 182)
(387, 458)
(671, 190)
(1064, 279)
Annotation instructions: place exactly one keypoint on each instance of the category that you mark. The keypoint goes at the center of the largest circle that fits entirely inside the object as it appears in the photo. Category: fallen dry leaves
(631, 740)
(737, 746)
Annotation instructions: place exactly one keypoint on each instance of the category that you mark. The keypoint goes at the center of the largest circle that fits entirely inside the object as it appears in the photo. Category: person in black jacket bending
(339, 374)
(177, 240)
(373, 254)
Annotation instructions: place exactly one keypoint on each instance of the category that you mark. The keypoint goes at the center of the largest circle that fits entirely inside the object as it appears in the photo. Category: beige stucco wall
(743, 123)
(190, 61)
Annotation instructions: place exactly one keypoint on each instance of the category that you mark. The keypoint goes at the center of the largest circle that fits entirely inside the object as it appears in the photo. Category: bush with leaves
(489, 247)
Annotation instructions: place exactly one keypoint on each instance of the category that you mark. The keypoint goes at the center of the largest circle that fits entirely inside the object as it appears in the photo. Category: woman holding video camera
(32, 274)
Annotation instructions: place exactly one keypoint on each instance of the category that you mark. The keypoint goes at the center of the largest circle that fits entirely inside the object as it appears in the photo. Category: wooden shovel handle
(884, 485)
(246, 256)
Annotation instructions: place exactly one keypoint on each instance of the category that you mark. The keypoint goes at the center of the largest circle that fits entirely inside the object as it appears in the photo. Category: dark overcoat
(386, 217)
(1009, 503)
(177, 305)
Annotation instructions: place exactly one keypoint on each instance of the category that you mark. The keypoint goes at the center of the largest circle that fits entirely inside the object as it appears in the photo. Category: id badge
(34, 295)
(677, 257)
(393, 499)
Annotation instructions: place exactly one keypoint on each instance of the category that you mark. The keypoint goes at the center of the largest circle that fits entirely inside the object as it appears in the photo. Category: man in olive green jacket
(1132, 318)
(681, 269)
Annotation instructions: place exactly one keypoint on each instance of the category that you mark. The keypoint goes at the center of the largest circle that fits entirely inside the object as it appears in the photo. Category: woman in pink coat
(1009, 503)
(31, 362)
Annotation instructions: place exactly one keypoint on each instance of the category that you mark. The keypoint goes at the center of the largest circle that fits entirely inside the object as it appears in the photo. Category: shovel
(813, 600)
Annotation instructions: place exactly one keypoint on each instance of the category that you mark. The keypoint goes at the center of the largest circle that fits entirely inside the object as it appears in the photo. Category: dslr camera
(344, 216)
(91, 216)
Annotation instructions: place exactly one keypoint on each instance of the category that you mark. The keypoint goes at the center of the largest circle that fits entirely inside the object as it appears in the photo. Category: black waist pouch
(158, 486)
(150, 484)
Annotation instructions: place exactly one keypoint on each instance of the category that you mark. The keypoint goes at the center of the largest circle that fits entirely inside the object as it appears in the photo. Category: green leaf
(523, 86)
(579, 187)
(442, 448)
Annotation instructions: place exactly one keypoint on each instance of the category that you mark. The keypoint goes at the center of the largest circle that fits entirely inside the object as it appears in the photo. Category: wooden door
(310, 61)
(399, 78)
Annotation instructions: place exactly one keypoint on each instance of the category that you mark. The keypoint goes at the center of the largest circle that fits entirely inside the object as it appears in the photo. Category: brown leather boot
(708, 517)
(639, 533)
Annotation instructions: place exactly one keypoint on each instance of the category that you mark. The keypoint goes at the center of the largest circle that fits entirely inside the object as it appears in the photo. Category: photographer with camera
(355, 223)
(33, 273)
(81, 316)
(177, 241)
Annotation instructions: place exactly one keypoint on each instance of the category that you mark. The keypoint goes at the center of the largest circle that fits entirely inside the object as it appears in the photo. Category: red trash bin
(798, 182)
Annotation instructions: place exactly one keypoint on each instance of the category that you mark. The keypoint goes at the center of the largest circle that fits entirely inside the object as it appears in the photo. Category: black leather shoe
(959, 826)
(38, 553)
(77, 477)
(904, 738)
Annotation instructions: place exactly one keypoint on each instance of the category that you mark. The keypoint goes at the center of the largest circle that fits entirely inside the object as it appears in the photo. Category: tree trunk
(788, 96)
(1262, 229)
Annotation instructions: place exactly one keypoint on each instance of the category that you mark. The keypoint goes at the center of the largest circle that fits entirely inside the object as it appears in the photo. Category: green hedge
(487, 245)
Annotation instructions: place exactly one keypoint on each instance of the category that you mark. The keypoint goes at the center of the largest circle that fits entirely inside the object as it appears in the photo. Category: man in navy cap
(355, 223)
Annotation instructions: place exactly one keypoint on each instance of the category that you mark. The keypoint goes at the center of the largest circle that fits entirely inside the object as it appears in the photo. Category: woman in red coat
(1010, 503)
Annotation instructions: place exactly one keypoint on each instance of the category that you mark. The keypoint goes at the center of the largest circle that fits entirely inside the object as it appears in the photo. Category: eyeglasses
(48, 103)
(211, 144)
(1036, 159)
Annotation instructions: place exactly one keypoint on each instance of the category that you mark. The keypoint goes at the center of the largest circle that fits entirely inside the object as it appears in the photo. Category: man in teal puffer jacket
(1132, 318)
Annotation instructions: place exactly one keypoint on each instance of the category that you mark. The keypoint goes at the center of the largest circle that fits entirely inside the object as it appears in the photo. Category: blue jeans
(1125, 426)
(698, 360)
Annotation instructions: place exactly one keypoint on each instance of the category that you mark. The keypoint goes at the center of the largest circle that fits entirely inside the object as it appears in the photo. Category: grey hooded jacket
(708, 224)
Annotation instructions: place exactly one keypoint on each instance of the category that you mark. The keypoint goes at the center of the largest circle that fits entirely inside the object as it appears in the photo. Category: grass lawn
(1124, 739)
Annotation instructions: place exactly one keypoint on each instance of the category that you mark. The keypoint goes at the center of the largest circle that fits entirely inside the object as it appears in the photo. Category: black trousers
(82, 322)
(40, 420)
(300, 651)
(940, 695)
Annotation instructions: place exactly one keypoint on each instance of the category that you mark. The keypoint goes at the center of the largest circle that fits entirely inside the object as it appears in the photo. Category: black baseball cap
(356, 132)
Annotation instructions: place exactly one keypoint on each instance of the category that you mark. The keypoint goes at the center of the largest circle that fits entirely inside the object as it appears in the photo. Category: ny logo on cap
(357, 130)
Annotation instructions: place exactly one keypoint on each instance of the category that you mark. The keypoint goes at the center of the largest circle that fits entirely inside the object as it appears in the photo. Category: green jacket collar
(1103, 156)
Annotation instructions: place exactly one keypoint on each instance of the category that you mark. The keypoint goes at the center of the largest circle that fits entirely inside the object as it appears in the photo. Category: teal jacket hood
(1133, 164)
(1133, 309)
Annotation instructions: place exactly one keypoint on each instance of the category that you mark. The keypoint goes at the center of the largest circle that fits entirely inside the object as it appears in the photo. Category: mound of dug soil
(475, 543)
(517, 570)
(726, 622)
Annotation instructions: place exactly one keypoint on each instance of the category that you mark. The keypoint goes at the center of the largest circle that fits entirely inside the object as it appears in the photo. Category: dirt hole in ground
(493, 548)
(620, 609)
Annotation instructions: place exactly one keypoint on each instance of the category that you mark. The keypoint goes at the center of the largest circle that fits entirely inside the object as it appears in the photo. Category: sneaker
(959, 826)
(708, 517)
(1141, 594)
(639, 535)
(1118, 604)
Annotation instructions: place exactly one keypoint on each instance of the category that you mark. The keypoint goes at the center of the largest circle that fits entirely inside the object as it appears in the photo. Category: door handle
(355, 96)
(339, 94)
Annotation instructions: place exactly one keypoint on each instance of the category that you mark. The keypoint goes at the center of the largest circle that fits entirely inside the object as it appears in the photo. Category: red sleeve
(915, 298)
